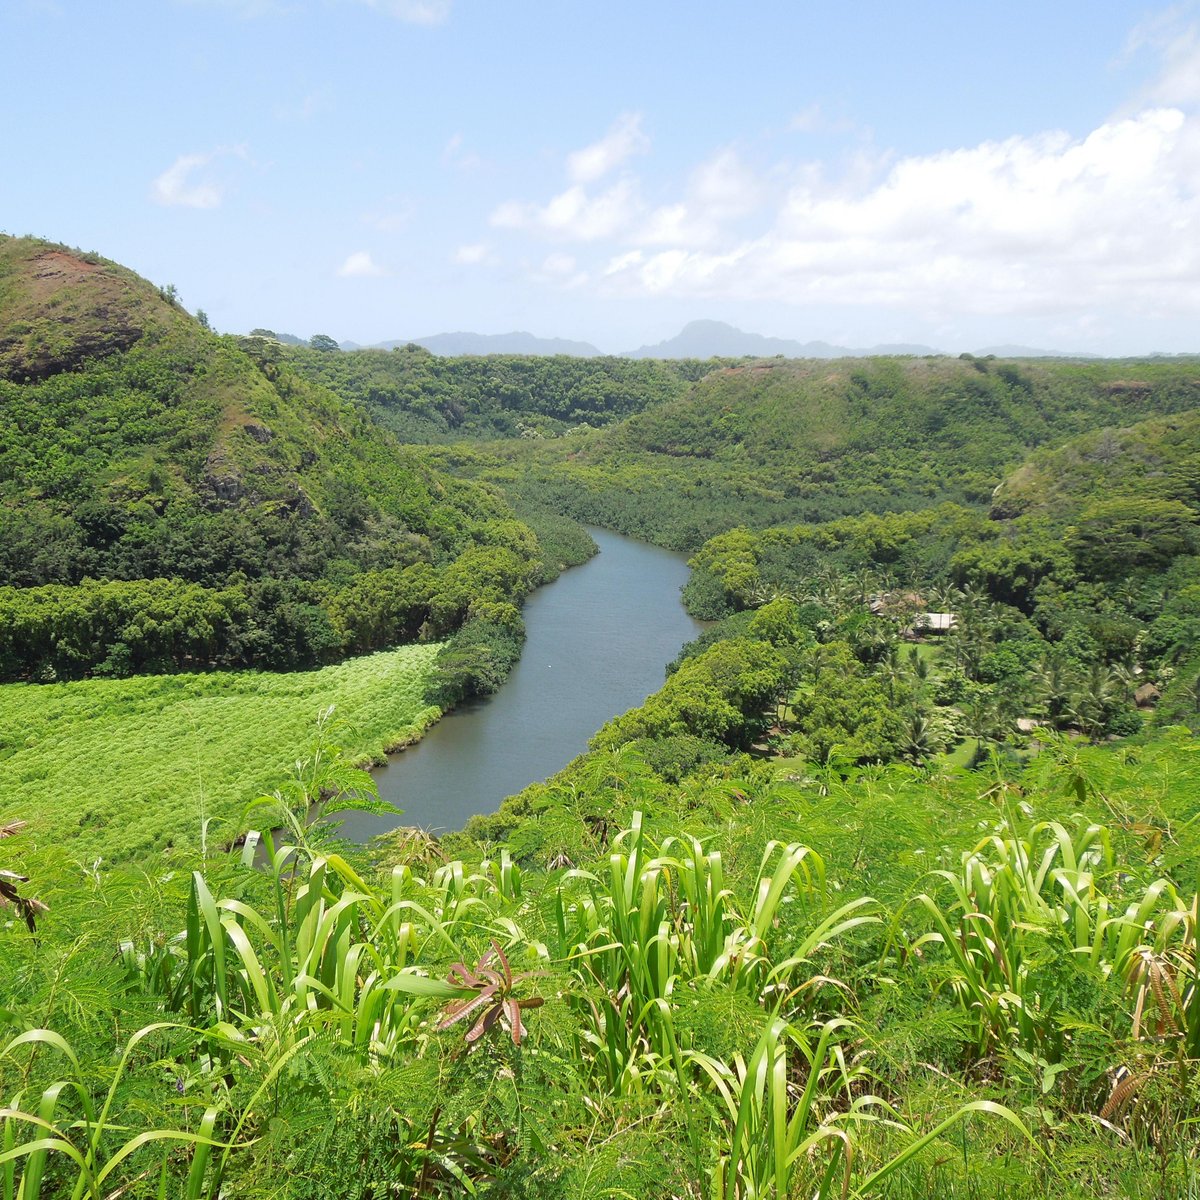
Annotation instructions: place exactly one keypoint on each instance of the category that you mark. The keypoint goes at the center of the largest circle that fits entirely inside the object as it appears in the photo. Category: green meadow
(120, 767)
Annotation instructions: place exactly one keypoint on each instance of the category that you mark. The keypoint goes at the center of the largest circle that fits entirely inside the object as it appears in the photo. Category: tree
(323, 342)
(202, 318)
(985, 719)
(1112, 537)
(842, 709)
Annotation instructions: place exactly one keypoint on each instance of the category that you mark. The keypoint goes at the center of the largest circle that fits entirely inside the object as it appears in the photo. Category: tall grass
(138, 765)
(1020, 897)
(720, 1003)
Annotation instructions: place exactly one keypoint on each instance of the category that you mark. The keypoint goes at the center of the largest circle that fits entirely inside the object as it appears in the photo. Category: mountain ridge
(463, 343)
(698, 339)
(718, 339)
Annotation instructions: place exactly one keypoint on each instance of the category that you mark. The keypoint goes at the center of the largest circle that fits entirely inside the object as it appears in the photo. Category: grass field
(120, 767)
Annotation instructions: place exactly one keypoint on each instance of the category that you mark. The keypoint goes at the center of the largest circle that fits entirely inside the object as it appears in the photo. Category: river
(597, 643)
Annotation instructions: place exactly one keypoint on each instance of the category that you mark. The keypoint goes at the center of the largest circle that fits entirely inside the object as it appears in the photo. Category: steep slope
(135, 445)
(1158, 459)
(61, 307)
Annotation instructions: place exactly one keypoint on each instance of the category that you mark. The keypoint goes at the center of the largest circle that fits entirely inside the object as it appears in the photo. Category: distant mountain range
(1011, 351)
(452, 345)
(709, 339)
(697, 339)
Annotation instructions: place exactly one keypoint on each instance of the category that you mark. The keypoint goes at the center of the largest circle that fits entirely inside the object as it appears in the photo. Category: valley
(884, 885)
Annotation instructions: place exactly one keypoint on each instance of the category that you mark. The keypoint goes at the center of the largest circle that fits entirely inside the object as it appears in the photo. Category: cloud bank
(1031, 225)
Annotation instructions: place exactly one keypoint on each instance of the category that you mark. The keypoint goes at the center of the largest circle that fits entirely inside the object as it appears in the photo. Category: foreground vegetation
(889, 985)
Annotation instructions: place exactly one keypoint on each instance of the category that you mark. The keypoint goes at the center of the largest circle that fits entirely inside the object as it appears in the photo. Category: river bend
(597, 641)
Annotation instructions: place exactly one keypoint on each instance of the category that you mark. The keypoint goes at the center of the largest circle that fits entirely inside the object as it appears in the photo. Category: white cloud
(559, 264)
(1080, 233)
(454, 154)
(561, 271)
(720, 191)
(624, 138)
(623, 262)
(179, 186)
(360, 265)
(305, 108)
(1178, 46)
(416, 12)
(472, 254)
(725, 187)
(1044, 224)
(394, 214)
(574, 214)
(814, 119)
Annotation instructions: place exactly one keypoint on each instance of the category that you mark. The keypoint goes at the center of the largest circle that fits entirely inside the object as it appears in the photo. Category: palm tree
(945, 598)
(1054, 685)
(919, 739)
(1093, 701)
(918, 665)
(891, 670)
(764, 593)
(986, 720)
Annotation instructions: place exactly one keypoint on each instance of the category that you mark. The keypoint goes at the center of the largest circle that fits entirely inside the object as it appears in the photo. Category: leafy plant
(492, 996)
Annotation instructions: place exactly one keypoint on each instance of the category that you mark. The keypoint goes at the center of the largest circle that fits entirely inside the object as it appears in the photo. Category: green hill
(426, 398)
(1156, 459)
(135, 445)
(777, 442)
(60, 308)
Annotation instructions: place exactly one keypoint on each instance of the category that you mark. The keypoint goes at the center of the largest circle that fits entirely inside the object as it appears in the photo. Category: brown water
(598, 640)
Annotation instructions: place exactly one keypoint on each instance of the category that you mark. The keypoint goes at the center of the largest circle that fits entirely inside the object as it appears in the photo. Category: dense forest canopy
(778, 441)
(426, 398)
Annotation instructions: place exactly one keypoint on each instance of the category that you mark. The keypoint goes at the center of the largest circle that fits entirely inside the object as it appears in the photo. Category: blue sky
(955, 174)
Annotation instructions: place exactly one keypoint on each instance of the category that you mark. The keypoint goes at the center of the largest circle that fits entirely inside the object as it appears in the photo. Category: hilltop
(61, 307)
(424, 397)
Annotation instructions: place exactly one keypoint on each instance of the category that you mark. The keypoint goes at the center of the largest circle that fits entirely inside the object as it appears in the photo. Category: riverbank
(597, 643)
(124, 767)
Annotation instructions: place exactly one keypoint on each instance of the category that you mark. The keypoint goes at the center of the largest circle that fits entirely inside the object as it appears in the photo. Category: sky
(957, 175)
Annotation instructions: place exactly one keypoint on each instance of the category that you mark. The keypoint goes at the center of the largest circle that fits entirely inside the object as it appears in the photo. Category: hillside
(426, 398)
(135, 445)
(775, 442)
(1156, 459)
(59, 308)
(764, 908)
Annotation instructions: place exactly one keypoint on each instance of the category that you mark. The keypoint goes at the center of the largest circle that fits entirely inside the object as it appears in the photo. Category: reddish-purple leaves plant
(492, 999)
(27, 906)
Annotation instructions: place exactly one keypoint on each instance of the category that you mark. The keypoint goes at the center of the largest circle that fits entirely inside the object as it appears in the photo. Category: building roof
(934, 622)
